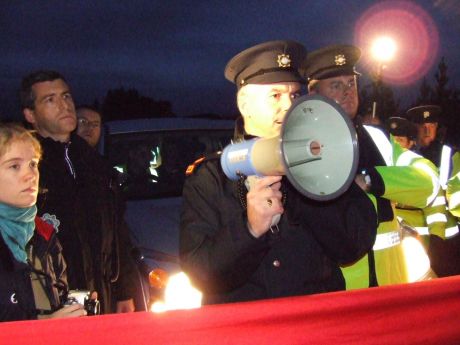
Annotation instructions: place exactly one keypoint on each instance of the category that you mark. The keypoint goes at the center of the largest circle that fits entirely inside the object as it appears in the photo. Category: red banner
(418, 313)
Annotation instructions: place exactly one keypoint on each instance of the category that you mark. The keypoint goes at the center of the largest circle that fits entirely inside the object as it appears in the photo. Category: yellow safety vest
(409, 179)
(453, 186)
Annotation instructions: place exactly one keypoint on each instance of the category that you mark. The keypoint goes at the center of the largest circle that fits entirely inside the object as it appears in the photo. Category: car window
(153, 164)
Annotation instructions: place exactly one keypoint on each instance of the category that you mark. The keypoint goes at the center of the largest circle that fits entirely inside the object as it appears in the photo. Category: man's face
(426, 133)
(54, 114)
(89, 126)
(264, 106)
(343, 90)
(19, 175)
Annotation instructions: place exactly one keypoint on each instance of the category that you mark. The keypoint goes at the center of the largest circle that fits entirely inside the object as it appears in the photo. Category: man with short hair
(389, 174)
(227, 244)
(77, 196)
(89, 124)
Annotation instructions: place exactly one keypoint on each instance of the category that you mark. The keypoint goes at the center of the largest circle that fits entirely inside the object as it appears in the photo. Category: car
(151, 157)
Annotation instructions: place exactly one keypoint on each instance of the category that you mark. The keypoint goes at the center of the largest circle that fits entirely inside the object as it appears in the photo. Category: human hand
(264, 201)
(73, 310)
(126, 306)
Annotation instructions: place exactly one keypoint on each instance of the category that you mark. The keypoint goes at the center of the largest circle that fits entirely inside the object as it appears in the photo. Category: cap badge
(284, 60)
(426, 114)
(394, 125)
(340, 60)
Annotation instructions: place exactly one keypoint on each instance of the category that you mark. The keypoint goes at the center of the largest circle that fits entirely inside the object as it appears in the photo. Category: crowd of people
(62, 217)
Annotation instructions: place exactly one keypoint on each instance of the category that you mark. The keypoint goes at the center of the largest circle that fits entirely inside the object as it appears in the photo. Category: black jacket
(79, 198)
(16, 295)
(229, 265)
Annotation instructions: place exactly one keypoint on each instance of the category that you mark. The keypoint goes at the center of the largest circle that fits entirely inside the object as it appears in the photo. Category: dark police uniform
(216, 248)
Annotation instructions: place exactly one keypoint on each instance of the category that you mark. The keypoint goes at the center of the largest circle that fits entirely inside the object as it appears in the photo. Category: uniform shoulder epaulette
(193, 167)
(43, 228)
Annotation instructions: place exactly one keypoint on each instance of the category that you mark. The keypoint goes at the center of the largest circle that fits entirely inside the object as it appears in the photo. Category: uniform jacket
(16, 295)
(398, 176)
(228, 264)
(453, 187)
(78, 198)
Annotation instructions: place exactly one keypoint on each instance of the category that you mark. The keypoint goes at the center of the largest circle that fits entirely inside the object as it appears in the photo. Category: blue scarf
(17, 227)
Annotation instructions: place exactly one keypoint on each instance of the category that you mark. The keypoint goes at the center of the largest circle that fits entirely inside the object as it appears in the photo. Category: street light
(383, 50)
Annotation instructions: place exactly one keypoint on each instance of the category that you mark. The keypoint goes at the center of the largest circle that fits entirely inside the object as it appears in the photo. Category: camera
(83, 297)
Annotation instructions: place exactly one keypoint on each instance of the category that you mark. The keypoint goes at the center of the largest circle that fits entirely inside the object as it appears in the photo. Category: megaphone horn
(317, 150)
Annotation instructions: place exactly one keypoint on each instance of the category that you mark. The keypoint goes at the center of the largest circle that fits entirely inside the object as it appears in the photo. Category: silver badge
(340, 60)
(426, 114)
(284, 60)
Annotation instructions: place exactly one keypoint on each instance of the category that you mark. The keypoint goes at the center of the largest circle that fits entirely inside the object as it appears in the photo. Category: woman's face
(19, 175)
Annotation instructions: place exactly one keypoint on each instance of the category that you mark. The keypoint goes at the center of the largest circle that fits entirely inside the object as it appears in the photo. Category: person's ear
(241, 100)
(29, 115)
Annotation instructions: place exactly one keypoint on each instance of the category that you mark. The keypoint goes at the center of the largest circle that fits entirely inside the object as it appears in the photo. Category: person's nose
(426, 130)
(286, 102)
(31, 174)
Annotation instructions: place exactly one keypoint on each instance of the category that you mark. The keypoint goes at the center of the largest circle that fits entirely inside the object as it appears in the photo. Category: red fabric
(43, 228)
(419, 313)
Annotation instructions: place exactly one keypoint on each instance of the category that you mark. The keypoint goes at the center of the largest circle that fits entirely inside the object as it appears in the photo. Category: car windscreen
(153, 164)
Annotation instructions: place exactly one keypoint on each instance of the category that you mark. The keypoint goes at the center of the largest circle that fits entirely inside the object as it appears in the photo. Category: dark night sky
(177, 50)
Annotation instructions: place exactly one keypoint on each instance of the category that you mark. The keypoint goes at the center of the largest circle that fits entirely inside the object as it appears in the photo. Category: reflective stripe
(382, 143)
(439, 201)
(387, 240)
(454, 200)
(444, 168)
(406, 158)
(434, 179)
(437, 217)
(452, 231)
(422, 230)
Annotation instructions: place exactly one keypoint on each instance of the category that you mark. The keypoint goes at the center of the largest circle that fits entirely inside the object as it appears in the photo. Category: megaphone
(317, 150)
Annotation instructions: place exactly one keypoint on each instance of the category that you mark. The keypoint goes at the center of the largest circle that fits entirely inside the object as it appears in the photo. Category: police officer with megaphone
(228, 245)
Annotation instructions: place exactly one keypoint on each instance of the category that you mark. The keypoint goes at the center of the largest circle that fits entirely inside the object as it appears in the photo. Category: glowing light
(417, 261)
(384, 49)
(416, 36)
(179, 294)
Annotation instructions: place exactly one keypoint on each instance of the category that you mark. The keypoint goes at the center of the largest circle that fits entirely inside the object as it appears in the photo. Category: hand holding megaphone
(264, 203)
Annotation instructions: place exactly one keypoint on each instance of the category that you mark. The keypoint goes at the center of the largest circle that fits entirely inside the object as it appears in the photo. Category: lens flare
(383, 49)
(414, 34)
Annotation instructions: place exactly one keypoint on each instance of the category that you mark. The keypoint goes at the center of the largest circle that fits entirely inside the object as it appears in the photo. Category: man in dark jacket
(227, 244)
(77, 195)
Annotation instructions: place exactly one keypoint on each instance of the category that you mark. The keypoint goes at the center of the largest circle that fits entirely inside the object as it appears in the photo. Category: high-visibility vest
(453, 186)
(435, 219)
(409, 179)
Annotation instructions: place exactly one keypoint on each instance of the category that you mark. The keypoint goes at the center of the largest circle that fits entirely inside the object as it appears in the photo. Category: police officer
(390, 174)
(433, 218)
(426, 118)
(404, 132)
(444, 249)
(227, 244)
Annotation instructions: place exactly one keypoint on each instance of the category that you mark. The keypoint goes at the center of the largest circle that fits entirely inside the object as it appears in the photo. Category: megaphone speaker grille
(320, 148)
